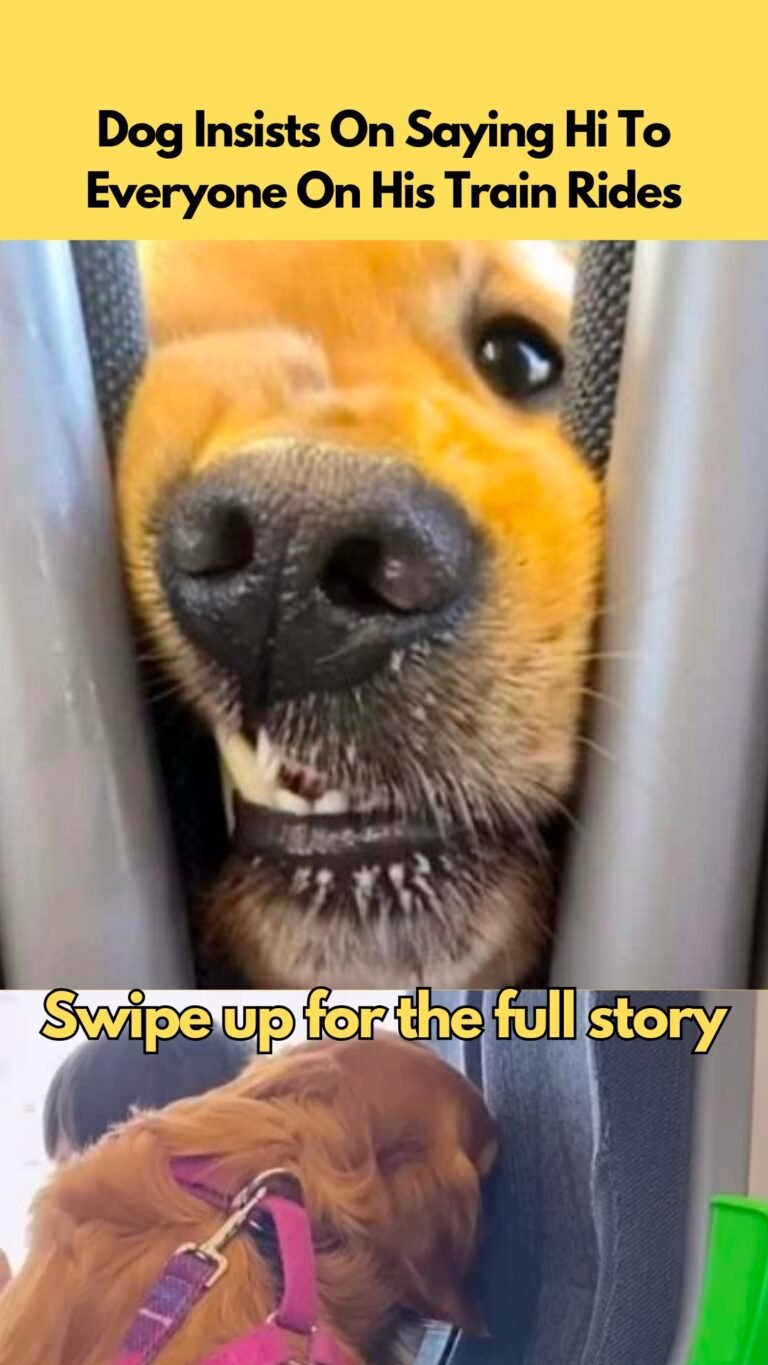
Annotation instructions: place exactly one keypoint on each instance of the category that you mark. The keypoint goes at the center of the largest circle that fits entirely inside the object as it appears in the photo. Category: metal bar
(661, 883)
(88, 891)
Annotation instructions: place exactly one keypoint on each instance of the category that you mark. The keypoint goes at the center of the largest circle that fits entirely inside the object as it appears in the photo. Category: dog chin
(286, 939)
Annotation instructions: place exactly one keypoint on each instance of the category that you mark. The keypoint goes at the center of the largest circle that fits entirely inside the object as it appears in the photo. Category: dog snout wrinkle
(300, 569)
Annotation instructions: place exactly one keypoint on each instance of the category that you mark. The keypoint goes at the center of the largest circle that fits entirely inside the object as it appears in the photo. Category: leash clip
(242, 1205)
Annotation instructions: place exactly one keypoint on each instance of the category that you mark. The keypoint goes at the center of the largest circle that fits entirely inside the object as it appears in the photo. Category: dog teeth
(250, 771)
(259, 773)
(290, 803)
(331, 803)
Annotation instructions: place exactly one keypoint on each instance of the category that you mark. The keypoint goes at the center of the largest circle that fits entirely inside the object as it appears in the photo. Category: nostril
(209, 539)
(354, 574)
(368, 576)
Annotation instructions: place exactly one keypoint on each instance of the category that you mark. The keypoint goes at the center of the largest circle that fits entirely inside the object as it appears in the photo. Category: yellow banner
(402, 120)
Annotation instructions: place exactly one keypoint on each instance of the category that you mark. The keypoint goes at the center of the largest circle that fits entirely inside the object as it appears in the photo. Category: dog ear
(435, 1219)
(433, 1140)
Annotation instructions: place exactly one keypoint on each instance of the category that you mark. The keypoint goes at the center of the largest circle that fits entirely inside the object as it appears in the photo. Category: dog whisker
(596, 748)
(645, 596)
(596, 695)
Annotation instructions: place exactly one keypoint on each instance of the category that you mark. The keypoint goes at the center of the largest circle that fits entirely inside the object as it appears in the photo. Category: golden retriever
(390, 1145)
(367, 555)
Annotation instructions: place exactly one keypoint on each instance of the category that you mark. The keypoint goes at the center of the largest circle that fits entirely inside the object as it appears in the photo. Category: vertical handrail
(661, 884)
(88, 890)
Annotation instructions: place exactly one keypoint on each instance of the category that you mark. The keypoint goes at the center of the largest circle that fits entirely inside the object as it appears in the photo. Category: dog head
(394, 1143)
(367, 554)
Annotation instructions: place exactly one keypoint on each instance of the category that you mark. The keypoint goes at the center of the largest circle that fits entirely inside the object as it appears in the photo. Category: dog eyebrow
(550, 265)
(452, 297)
(533, 278)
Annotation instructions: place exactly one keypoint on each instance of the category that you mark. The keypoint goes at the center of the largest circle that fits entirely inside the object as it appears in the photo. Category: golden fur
(390, 1144)
(362, 346)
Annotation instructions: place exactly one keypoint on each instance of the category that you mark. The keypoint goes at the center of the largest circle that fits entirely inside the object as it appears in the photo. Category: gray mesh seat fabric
(587, 1214)
(595, 345)
(113, 310)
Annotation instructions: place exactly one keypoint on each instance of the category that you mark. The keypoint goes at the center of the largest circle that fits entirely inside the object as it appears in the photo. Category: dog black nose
(299, 570)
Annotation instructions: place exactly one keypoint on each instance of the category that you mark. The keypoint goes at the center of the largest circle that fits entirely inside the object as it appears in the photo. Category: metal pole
(660, 890)
(88, 893)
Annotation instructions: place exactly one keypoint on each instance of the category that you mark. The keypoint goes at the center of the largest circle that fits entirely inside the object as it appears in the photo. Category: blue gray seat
(589, 1256)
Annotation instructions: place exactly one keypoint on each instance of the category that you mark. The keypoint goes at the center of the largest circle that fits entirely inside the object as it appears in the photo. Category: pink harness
(194, 1269)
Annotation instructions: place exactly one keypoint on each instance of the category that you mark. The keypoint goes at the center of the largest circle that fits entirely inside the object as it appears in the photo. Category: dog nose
(304, 570)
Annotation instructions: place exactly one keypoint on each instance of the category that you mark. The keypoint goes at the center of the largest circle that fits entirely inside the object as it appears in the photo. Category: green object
(732, 1326)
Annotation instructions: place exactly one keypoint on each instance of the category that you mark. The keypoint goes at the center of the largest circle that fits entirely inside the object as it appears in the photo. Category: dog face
(418, 1141)
(367, 555)
(390, 1145)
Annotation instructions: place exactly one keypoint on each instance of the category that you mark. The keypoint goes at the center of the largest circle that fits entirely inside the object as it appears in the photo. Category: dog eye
(517, 359)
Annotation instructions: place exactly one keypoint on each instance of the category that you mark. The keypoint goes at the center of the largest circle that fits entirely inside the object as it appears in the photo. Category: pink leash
(194, 1269)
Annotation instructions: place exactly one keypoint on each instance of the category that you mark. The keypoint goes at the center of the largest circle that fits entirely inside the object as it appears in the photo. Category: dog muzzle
(291, 1334)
